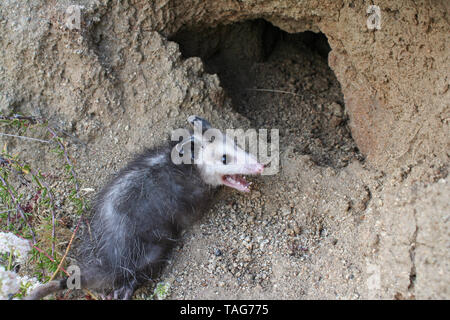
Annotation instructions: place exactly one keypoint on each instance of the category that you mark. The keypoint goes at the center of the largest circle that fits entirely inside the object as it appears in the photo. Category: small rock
(285, 211)
(336, 109)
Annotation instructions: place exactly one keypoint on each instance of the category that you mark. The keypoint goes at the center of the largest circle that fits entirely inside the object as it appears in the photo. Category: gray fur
(138, 218)
(139, 215)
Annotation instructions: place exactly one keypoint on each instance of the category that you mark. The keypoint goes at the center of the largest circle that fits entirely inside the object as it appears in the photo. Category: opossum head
(219, 159)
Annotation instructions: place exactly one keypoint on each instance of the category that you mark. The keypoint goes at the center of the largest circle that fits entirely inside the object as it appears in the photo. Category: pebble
(285, 211)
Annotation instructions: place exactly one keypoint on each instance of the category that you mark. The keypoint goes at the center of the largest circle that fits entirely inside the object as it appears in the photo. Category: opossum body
(139, 215)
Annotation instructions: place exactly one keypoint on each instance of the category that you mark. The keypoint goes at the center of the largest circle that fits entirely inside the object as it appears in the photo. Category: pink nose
(259, 168)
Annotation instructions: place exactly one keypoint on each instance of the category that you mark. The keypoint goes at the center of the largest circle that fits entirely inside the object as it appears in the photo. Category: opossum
(139, 215)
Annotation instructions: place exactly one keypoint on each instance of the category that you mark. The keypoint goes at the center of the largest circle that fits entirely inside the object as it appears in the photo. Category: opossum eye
(224, 159)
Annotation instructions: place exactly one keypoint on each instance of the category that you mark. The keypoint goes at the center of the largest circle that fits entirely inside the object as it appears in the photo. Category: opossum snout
(238, 181)
(256, 168)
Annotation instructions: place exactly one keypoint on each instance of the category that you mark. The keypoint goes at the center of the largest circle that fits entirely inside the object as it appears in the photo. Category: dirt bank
(359, 208)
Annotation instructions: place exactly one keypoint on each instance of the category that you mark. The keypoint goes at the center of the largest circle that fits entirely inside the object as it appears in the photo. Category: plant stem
(10, 261)
(23, 137)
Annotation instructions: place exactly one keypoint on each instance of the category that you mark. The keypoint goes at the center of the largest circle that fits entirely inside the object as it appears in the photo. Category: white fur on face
(238, 162)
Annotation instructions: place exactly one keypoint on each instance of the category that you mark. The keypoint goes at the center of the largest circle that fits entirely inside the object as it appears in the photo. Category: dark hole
(278, 81)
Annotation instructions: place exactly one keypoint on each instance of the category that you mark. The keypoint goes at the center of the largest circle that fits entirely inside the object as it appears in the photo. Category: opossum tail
(46, 289)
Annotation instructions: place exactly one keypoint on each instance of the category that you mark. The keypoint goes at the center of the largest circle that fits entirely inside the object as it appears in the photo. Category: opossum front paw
(124, 293)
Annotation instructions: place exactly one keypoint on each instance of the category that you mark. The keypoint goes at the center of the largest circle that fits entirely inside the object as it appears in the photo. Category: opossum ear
(196, 120)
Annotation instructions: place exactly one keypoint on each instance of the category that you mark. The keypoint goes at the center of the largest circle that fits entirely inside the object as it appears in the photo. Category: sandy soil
(328, 226)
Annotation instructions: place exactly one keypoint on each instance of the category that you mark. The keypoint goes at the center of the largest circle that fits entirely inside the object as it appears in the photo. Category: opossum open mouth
(237, 182)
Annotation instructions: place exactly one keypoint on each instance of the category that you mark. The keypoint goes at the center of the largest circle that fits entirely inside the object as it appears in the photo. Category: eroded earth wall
(116, 75)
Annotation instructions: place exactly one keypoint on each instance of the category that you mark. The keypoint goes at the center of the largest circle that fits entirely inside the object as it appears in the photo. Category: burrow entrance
(278, 80)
